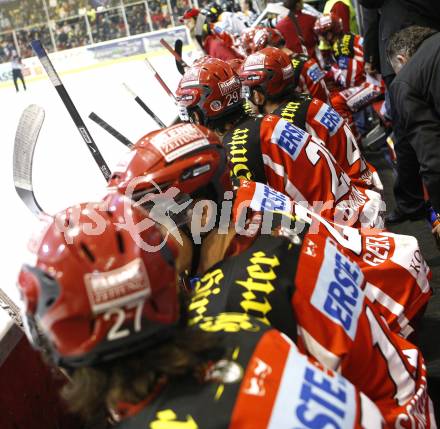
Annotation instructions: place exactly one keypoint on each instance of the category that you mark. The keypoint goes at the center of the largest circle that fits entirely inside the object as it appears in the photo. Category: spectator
(297, 28)
(414, 54)
(137, 18)
(7, 47)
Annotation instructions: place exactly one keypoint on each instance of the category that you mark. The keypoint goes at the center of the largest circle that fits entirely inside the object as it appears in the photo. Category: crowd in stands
(80, 22)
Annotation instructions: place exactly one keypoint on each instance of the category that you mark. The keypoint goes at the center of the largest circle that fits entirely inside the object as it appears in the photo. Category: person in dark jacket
(414, 54)
(370, 21)
(397, 15)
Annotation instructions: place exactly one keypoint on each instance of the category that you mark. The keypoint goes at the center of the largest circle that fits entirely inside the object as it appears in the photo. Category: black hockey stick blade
(115, 133)
(145, 107)
(181, 65)
(26, 137)
(178, 47)
(74, 114)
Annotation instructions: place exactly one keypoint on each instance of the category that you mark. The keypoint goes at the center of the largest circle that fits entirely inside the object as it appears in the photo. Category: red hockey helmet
(212, 89)
(267, 36)
(269, 69)
(326, 23)
(236, 64)
(247, 39)
(188, 157)
(100, 288)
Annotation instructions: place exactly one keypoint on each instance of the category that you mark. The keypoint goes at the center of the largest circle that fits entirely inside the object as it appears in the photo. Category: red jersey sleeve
(216, 48)
(325, 123)
(397, 277)
(312, 80)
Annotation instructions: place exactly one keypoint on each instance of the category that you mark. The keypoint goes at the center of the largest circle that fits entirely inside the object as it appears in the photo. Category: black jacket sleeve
(372, 4)
(371, 37)
(417, 120)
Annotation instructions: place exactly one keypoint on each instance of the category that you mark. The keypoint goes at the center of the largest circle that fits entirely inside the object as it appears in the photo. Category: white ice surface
(64, 171)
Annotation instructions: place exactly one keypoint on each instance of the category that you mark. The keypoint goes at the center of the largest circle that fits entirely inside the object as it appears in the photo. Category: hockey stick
(178, 48)
(116, 134)
(160, 80)
(10, 307)
(74, 114)
(26, 137)
(144, 106)
(177, 54)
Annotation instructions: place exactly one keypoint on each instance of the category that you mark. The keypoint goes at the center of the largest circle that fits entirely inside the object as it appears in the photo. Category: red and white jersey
(349, 54)
(293, 162)
(298, 392)
(397, 276)
(263, 382)
(353, 99)
(310, 77)
(324, 123)
(341, 328)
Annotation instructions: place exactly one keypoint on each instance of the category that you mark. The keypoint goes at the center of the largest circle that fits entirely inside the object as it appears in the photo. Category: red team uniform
(324, 123)
(337, 322)
(265, 375)
(270, 71)
(349, 73)
(382, 257)
(343, 330)
(293, 162)
(251, 376)
(268, 283)
(348, 70)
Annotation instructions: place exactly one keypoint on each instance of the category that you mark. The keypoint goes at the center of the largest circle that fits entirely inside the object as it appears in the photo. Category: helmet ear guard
(29, 278)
